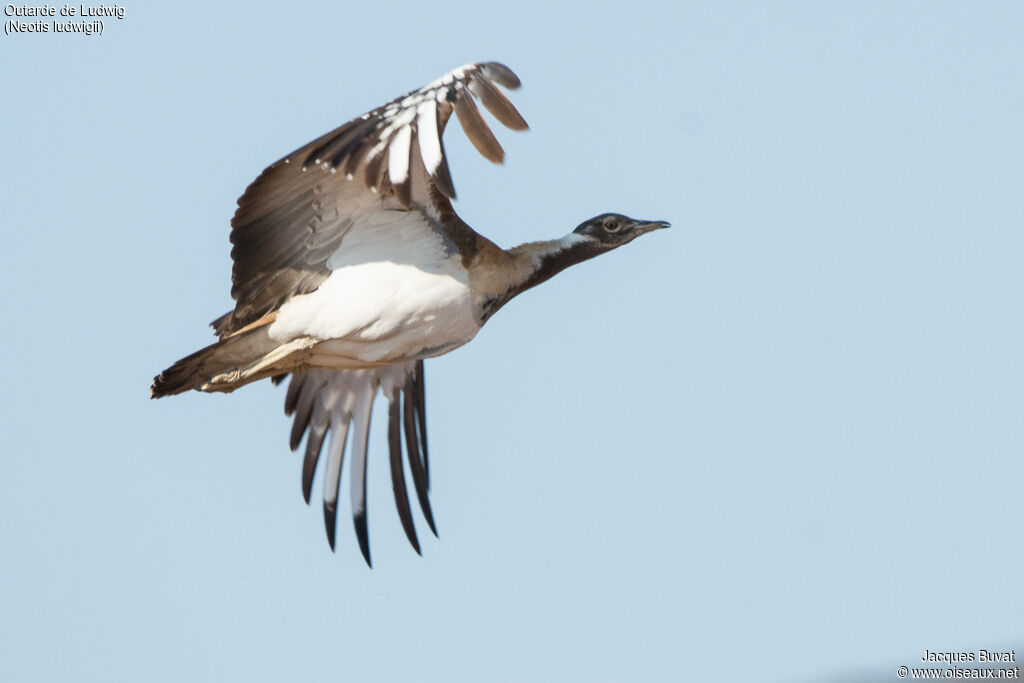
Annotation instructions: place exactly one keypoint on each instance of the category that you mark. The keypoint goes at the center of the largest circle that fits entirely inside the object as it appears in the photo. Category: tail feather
(232, 362)
(186, 374)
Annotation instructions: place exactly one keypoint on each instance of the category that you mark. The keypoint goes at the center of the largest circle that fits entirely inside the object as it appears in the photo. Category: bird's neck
(548, 258)
(532, 263)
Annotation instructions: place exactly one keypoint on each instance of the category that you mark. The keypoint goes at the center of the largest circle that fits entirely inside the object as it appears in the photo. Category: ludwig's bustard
(351, 267)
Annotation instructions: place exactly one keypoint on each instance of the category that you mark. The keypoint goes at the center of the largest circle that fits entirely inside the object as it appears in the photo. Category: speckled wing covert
(297, 212)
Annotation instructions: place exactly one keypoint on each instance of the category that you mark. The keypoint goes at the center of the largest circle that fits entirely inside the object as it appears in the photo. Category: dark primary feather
(413, 450)
(314, 444)
(419, 388)
(303, 411)
(497, 104)
(477, 130)
(363, 411)
(497, 71)
(331, 521)
(398, 472)
(332, 479)
(363, 535)
(297, 212)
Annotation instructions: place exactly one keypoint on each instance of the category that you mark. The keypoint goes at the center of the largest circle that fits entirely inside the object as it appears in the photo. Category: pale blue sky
(781, 441)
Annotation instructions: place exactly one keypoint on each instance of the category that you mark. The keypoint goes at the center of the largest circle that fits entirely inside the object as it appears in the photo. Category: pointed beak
(648, 226)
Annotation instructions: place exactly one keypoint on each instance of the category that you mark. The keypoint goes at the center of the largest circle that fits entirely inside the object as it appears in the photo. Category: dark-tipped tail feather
(236, 360)
(187, 373)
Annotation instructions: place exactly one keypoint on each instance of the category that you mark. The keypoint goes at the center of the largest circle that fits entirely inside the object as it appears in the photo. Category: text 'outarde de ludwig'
(47, 10)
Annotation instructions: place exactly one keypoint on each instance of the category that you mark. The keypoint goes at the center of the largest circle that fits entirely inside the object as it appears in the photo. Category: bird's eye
(612, 226)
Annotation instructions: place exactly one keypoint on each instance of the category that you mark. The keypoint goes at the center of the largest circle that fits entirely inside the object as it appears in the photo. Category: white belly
(383, 312)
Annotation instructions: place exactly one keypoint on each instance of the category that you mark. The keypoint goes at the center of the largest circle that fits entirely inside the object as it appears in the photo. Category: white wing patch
(398, 155)
(428, 137)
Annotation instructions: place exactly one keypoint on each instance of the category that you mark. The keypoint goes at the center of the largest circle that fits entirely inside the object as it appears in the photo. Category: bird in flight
(350, 267)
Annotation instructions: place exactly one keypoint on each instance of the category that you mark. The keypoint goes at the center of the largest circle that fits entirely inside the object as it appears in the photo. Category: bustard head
(591, 238)
(610, 230)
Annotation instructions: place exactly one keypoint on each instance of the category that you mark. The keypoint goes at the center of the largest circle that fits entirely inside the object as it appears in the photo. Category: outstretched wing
(341, 401)
(296, 214)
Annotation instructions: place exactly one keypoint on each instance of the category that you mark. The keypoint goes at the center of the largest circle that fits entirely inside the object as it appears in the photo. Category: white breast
(397, 291)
